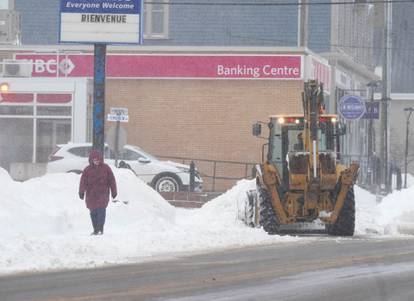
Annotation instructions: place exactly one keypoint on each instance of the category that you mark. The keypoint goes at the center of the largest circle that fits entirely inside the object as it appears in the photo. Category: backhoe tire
(345, 223)
(250, 208)
(268, 218)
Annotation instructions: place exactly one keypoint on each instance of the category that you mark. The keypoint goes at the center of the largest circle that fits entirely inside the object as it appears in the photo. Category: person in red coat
(96, 181)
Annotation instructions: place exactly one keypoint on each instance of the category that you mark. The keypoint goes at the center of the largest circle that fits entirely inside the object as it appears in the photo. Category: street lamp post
(408, 112)
(372, 85)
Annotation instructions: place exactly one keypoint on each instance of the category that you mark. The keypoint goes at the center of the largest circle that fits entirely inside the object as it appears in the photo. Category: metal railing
(218, 175)
(369, 176)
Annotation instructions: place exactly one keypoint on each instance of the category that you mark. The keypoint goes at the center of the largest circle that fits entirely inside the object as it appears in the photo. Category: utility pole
(303, 23)
(408, 112)
(372, 85)
(386, 84)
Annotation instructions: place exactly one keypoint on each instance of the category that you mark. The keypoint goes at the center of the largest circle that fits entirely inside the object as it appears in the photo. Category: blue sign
(372, 110)
(101, 21)
(101, 6)
(351, 107)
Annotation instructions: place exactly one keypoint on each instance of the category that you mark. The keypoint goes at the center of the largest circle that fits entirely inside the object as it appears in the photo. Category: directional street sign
(119, 111)
(116, 117)
(116, 137)
(372, 110)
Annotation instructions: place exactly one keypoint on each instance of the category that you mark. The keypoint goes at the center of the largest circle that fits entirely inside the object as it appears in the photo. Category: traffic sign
(351, 107)
(116, 117)
(119, 111)
(116, 137)
(372, 110)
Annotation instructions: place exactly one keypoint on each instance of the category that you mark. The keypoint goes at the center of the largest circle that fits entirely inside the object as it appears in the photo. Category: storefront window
(52, 115)
(16, 141)
(16, 110)
(54, 111)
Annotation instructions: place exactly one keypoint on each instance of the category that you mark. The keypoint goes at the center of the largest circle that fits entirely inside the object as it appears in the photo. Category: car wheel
(166, 183)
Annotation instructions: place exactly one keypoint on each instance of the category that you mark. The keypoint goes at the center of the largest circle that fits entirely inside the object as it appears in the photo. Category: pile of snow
(391, 215)
(46, 226)
(397, 212)
(367, 213)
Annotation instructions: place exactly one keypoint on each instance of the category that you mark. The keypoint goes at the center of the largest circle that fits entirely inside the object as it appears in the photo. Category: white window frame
(35, 117)
(148, 17)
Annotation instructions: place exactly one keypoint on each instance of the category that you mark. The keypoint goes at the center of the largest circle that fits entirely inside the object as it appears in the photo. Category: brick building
(201, 107)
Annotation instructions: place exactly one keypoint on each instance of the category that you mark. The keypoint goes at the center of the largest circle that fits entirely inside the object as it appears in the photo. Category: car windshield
(144, 153)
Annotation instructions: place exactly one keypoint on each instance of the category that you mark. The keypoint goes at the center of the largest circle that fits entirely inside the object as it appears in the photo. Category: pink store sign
(170, 66)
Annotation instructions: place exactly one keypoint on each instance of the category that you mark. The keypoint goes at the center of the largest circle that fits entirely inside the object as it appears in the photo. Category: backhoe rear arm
(272, 181)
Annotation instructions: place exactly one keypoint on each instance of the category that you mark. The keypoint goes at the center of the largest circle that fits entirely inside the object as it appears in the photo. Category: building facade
(193, 109)
(191, 103)
(346, 28)
(37, 115)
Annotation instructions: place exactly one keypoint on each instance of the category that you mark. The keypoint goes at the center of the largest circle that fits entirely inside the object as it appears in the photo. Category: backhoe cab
(301, 182)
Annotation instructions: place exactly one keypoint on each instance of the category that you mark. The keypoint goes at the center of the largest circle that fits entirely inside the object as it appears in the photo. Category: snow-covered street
(46, 226)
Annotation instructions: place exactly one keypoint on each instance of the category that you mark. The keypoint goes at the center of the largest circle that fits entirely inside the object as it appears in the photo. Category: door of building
(51, 132)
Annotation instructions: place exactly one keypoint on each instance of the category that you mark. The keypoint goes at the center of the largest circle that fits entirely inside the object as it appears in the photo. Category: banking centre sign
(170, 66)
(101, 21)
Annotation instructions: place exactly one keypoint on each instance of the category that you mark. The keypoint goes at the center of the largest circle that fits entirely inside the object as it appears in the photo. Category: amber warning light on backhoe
(295, 120)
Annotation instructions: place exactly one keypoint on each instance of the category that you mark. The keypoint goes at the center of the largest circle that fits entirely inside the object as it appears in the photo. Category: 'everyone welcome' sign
(101, 21)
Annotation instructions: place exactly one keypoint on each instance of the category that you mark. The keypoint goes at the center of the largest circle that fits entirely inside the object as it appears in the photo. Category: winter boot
(100, 229)
(95, 230)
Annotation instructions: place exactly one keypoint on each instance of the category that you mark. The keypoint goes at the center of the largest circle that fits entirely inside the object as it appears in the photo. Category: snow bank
(46, 226)
(393, 215)
(397, 212)
(367, 213)
(50, 204)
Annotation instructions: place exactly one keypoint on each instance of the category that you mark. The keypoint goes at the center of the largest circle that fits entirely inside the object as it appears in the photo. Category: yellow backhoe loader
(301, 182)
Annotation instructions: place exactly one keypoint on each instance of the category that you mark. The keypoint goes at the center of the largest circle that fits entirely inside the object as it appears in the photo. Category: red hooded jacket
(96, 180)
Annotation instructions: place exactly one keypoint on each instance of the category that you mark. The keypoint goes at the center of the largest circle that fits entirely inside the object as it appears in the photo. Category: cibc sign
(52, 67)
(287, 67)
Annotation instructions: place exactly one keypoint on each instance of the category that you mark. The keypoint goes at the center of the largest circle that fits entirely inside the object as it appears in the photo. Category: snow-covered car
(163, 176)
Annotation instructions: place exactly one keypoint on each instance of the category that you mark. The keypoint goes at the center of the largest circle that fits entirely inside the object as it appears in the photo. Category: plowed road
(321, 269)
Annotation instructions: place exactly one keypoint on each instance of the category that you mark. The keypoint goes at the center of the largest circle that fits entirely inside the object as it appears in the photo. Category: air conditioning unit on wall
(17, 68)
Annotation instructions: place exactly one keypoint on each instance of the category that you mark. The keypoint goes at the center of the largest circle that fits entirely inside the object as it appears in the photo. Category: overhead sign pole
(119, 115)
(100, 22)
(99, 97)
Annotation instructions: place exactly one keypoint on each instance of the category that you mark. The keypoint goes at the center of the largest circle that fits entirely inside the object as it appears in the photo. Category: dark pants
(98, 219)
